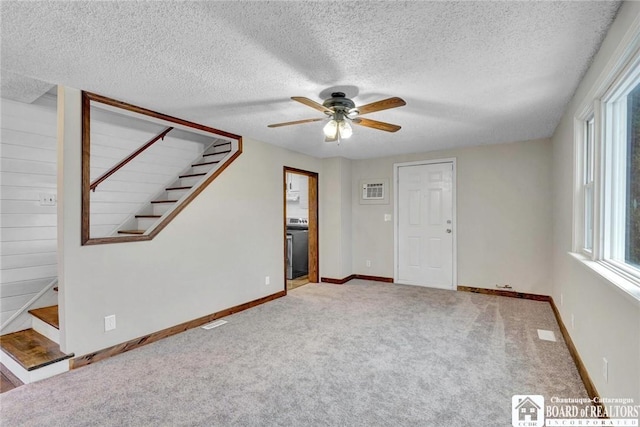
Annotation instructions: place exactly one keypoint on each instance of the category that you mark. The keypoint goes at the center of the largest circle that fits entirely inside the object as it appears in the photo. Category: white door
(425, 225)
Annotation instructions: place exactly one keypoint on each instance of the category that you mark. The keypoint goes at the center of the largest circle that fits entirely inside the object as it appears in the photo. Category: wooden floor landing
(5, 383)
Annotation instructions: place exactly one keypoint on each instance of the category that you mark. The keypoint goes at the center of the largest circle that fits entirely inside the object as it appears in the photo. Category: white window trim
(622, 284)
(598, 173)
(623, 64)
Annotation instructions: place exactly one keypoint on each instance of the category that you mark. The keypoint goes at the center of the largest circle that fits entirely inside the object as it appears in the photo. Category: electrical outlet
(605, 369)
(368, 263)
(387, 217)
(267, 280)
(109, 322)
(573, 322)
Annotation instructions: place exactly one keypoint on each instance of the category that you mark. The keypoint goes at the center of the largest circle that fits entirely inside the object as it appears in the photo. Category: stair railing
(212, 144)
(89, 99)
(126, 160)
(29, 303)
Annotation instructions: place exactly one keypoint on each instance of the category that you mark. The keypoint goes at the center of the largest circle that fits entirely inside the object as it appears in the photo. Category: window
(632, 208)
(607, 208)
(621, 229)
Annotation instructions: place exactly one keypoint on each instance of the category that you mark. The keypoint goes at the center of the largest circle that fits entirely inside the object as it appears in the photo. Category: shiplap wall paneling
(28, 260)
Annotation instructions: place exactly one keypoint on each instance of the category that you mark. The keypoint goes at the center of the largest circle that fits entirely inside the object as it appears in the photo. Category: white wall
(607, 323)
(346, 212)
(503, 215)
(335, 208)
(28, 230)
(212, 256)
(28, 169)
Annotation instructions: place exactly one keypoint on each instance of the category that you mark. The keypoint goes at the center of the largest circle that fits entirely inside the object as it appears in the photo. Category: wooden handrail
(132, 156)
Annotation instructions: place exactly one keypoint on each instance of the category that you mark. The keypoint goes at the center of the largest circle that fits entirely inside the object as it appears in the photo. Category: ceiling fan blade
(385, 104)
(376, 124)
(312, 104)
(297, 122)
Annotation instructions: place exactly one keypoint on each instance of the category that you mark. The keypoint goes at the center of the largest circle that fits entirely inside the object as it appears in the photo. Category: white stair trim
(43, 328)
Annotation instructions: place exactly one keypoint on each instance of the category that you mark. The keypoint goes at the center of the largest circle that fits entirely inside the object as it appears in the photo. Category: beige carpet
(361, 354)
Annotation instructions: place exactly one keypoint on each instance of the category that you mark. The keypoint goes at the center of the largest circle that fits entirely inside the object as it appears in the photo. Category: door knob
(448, 230)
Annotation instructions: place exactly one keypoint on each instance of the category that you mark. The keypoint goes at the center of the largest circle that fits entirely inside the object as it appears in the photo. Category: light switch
(387, 217)
(47, 199)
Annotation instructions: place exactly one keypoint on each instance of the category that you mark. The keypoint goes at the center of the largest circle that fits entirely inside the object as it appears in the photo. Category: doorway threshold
(297, 282)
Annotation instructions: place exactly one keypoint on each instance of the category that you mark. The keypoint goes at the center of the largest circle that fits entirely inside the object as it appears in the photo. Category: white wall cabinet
(297, 195)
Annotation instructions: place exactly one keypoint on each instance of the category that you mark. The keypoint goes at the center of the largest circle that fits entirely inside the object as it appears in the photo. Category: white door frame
(396, 222)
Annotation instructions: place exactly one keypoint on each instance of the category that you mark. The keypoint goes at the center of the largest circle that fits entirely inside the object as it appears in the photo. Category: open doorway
(301, 227)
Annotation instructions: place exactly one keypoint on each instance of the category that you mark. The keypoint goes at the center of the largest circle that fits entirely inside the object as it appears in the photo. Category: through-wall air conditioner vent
(373, 191)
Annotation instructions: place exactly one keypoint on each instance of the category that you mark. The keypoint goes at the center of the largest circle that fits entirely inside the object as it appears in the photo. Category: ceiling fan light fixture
(340, 110)
(331, 129)
(345, 129)
(352, 113)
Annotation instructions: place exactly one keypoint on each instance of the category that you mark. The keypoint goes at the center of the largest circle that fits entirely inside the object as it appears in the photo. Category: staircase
(34, 354)
(146, 219)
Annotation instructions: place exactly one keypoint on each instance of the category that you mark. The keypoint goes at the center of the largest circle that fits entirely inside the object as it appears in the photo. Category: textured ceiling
(471, 72)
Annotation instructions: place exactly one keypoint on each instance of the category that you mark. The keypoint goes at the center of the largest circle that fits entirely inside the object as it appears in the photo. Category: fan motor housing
(338, 102)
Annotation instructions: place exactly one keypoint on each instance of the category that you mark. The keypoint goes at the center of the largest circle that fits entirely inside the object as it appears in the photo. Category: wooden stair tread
(31, 350)
(205, 163)
(130, 231)
(177, 188)
(48, 315)
(213, 154)
(148, 216)
(191, 175)
(163, 201)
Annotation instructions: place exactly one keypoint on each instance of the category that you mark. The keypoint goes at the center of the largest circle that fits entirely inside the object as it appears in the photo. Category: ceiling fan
(341, 111)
